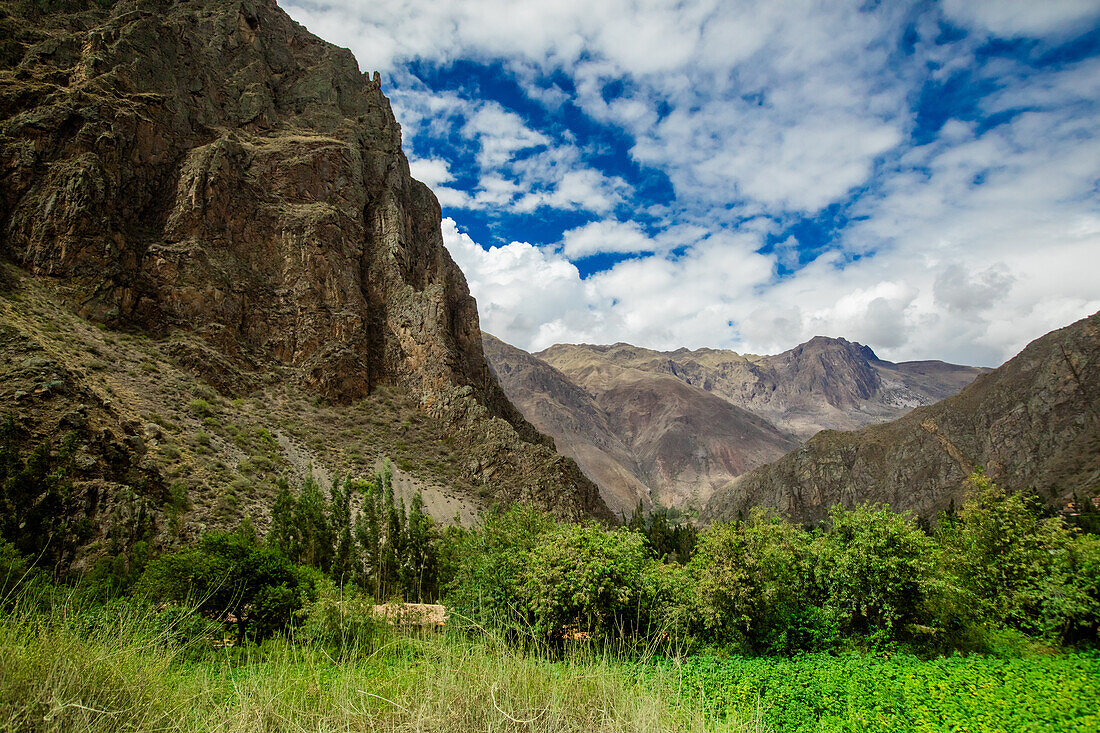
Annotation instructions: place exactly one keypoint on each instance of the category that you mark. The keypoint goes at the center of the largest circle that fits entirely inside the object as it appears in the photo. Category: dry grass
(127, 670)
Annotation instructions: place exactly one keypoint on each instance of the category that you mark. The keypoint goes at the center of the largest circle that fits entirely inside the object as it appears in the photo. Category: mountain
(668, 428)
(206, 189)
(1033, 424)
(639, 436)
(825, 383)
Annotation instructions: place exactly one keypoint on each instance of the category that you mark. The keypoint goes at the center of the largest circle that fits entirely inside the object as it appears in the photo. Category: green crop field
(820, 692)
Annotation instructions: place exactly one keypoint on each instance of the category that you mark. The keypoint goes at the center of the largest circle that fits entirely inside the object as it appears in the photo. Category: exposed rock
(212, 174)
(640, 436)
(1033, 423)
(671, 427)
(822, 384)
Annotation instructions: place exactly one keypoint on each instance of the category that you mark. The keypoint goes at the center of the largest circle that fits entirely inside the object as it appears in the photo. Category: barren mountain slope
(1033, 423)
(580, 428)
(638, 435)
(822, 384)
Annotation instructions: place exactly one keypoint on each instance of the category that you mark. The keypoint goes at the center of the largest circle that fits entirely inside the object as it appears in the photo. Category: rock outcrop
(1033, 424)
(211, 174)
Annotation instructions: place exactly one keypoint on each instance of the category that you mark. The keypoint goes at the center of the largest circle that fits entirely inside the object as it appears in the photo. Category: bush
(341, 620)
(486, 564)
(586, 578)
(752, 586)
(232, 578)
(872, 569)
(1031, 573)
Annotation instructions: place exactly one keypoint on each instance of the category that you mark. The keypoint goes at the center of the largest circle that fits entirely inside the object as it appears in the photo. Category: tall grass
(128, 667)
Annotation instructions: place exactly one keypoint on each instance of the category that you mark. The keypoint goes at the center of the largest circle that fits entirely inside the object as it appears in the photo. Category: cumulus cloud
(964, 238)
(433, 172)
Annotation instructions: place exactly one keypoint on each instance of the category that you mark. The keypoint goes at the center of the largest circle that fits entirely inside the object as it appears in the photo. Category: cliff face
(1033, 424)
(211, 175)
(213, 166)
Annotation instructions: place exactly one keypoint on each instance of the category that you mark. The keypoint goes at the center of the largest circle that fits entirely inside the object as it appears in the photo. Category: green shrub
(753, 586)
(487, 563)
(1032, 573)
(340, 619)
(230, 577)
(201, 407)
(586, 578)
(872, 569)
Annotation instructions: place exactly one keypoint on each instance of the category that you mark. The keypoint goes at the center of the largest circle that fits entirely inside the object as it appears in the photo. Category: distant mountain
(825, 383)
(669, 428)
(1033, 423)
(638, 435)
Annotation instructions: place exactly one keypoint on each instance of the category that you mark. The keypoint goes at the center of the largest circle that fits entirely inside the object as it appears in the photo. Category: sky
(921, 177)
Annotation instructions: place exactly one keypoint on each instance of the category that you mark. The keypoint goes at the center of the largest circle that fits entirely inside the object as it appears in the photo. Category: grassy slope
(64, 674)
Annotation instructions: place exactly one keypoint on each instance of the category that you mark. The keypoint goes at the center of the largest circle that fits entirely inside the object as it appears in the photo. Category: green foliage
(341, 619)
(820, 692)
(1032, 573)
(385, 550)
(872, 569)
(488, 563)
(312, 543)
(753, 586)
(233, 578)
(201, 407)
(586, 578)
(39, 512)
(17, 575)
(669, 534)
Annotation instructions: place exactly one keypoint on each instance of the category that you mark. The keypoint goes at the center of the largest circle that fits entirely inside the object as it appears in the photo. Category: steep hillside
(230, 191)
(640, 436)
(1033, 423)
(579, 426)
(670, 427)
(822, 384)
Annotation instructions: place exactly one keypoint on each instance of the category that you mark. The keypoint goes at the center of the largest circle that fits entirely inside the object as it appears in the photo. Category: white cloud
(961, 248)
(1011, 18)
(605, 236)
(501, 135)
(431, 171)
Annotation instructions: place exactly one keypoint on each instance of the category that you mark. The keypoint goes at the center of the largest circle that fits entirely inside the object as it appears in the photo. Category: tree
(872, 568)
(419, 558)
(346, 564)
(283, 534)
(311, 524)
(1020, 568)
(752, 584)
(487, 564)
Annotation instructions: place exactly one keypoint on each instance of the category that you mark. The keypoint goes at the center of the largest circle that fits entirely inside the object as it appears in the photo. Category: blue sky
(921, 177)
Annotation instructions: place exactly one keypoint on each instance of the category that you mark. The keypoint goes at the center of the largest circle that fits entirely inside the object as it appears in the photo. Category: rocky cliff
(1033, 424)
(212, 176)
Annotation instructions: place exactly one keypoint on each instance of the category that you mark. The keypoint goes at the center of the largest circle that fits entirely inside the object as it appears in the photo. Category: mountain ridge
(757, 407)
(1032, 423)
